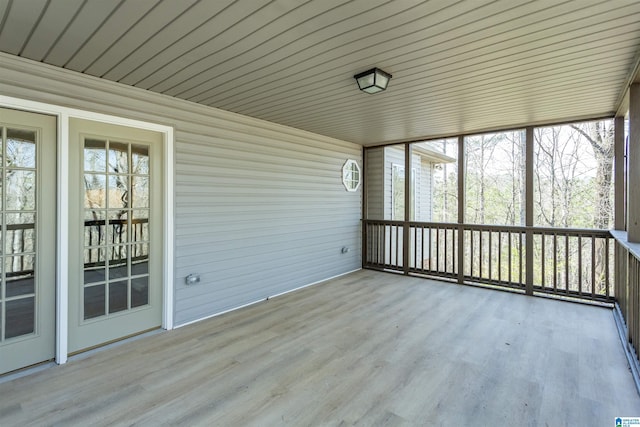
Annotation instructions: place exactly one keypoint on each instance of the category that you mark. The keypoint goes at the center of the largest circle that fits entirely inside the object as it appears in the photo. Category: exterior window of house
(351, 175)
(397, 192)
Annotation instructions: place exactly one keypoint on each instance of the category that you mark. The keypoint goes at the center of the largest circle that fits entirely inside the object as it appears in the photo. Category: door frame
(63, 114)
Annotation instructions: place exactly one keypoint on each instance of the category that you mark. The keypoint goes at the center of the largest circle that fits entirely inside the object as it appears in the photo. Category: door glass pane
(95, 229)
(118, 227)
(118, 191)
(118, 262)
(20, 276)
(140, 259)
(139, 291)
(140, 225)
(118, 158)
(118, 296)
(95, 155)
(21, 148)
(94, 301)
(20, 233)
(94, 265)
(21, 190)
(95, 191)
(140, 159)
(20, 317)
(140, 192)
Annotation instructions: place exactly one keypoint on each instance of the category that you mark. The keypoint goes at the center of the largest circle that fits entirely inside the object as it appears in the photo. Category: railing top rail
(622, 238)
(589, 232)
(383, 222)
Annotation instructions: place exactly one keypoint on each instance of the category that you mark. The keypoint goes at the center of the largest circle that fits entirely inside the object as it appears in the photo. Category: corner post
(633, 165)
(461, 203)
(529, 211)
(364, 253)
(406, 231)
(618, 159)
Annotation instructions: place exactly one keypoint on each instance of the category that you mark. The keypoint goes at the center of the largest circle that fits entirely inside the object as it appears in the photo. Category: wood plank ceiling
(458, 66)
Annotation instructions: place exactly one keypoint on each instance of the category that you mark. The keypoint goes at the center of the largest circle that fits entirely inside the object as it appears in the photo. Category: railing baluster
(446, 253)
(593, 266)
(555, 262)
(606, 267)
(415, 246)
(390, 247)
(579, 265)
(382, 248)
(490, 255)
(397, 251)
(480, 252)
(471, 257)
(543, 260)
(430, 249)
(369, 259)
(437, 230)
(510, 259)
(566, 263)
(421, 247)
(499, 256)
(520, 262)
(453, 251)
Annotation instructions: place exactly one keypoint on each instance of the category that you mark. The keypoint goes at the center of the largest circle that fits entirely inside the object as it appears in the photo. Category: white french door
(27, 238)
(115, 233)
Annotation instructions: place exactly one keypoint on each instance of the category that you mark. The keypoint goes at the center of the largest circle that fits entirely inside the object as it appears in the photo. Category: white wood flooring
(366, 349)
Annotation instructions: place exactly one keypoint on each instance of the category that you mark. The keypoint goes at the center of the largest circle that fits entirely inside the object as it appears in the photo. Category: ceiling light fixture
(373, 80)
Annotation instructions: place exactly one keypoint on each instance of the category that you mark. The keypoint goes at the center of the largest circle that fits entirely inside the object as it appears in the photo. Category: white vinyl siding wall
(426, 191)
(260, 208)
(374, 179)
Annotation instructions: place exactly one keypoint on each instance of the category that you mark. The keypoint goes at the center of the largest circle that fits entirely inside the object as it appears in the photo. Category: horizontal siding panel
(247, 138)
(224, 264)
(214, 217)
(260, 208)
(268, 239)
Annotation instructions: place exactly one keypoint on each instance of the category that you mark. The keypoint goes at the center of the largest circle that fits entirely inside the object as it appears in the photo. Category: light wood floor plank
(367, 349)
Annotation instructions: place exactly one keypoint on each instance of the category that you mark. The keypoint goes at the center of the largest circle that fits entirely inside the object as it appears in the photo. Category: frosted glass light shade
(373, 80)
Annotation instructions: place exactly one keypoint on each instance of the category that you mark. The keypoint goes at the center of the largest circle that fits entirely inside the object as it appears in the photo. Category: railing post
(365, 215)
(618, 158)
(633, 170)
(461, 203)
(406, 235)
(529, 211)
